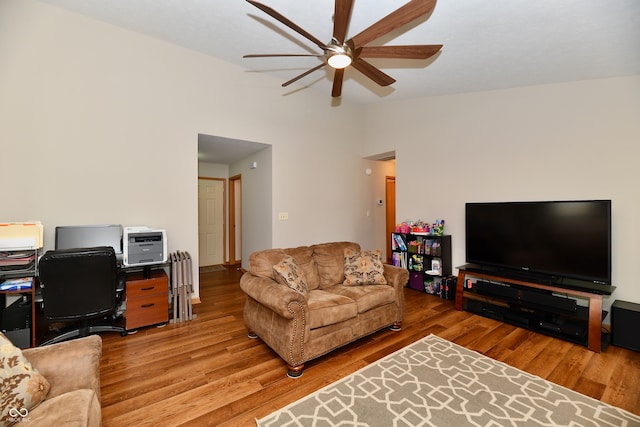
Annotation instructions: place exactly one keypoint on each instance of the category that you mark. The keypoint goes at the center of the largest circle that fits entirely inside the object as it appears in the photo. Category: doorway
(390, 203)
(225, 159)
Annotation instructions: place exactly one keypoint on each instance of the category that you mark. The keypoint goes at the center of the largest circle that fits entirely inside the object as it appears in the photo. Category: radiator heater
(181, 286)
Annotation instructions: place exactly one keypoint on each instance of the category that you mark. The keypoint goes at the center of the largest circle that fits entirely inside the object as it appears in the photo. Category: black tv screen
(564, 239)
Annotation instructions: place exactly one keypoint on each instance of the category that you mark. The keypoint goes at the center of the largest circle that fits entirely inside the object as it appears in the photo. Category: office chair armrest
(69, 365)
(122, 282)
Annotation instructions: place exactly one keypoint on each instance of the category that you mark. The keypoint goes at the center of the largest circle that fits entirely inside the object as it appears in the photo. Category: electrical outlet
(283, 216)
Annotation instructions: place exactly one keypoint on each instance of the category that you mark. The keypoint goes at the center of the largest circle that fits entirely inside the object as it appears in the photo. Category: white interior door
(211, 221)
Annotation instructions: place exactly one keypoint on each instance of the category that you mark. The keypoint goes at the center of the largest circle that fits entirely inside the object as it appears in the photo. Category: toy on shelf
(403, 228)
(420, 227)
(438, 227)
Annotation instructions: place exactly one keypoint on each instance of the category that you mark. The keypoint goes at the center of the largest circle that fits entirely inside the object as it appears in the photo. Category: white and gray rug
(434, 382)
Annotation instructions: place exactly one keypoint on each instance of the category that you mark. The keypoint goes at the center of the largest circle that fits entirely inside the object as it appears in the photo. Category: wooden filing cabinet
(147, 299)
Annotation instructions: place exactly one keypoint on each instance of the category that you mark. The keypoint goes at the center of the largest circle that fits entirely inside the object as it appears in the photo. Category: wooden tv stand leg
(594, 340)
(459, 289)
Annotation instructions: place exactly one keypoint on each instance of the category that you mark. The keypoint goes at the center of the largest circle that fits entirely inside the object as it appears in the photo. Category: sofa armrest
(271, 294)
(69, 365)
(398, 278)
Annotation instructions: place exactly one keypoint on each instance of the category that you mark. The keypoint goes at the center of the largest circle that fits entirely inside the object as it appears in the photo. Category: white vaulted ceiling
(488, 45)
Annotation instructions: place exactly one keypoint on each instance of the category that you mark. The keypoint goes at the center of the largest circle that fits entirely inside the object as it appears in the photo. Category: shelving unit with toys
(425, 251)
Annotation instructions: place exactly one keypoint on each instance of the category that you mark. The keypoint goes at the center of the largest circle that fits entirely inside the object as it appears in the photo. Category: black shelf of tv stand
(593, 316)
(561, 324)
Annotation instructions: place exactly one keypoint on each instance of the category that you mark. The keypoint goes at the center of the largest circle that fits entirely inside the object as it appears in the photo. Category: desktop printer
(144, 246)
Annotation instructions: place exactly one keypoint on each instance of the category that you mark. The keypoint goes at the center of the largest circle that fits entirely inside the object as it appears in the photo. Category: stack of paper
(17, 261)
(21, 235)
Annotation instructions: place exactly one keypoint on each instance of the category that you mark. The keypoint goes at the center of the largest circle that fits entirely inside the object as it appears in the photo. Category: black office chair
(80, 286)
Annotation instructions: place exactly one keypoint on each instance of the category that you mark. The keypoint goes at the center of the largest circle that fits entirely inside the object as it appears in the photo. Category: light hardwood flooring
(207, 372)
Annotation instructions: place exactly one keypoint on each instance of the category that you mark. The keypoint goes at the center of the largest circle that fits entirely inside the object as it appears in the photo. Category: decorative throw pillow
(287, 272)
(23, 387)
(363, 268)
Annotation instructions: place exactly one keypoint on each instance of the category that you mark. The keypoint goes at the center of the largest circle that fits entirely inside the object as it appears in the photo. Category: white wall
(257, 193)
(213, 170)
(99, 124)
(576, 140)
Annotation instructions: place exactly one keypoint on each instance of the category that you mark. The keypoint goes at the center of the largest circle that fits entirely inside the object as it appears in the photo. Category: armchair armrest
(398, 278)
(69, 365)
(271, 294)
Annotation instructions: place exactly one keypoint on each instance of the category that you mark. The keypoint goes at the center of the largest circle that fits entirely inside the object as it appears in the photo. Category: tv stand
(594, 313)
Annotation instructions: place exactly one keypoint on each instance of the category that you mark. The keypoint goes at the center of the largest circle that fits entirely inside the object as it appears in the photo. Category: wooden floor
(207, 372)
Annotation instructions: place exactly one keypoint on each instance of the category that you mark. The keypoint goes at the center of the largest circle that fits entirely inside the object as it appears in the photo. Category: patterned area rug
(434, 382)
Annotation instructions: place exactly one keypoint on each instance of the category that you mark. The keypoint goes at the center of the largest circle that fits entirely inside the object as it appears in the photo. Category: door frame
(390, 211)
(233, 224)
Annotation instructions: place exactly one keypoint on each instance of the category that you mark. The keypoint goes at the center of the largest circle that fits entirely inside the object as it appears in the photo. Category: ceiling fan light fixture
(339, 60)
(338, 57)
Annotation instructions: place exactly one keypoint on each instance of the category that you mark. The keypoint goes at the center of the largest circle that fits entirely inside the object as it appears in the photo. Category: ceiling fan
(341, 53)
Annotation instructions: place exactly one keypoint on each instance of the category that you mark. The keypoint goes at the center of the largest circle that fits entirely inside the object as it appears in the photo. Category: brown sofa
(300, 327)
(72, 369)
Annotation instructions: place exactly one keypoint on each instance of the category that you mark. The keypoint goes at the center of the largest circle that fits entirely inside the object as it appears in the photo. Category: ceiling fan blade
(341, 18)
(338, 77)
(269, 55)
(401, 16)
(306, 73)
(372, 72)
(402, 52)
(269, 11)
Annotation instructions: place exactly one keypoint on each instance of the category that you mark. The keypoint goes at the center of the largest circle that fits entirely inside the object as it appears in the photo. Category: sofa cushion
(304, 257)
(330, 260)
(77, 408)
(287, 272)
(366, 297)
(22, 387)
(261, 263)
(363, 268)
(326, 308)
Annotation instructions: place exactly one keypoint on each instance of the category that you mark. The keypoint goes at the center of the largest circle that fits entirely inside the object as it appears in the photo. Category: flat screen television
(89, 236)
(558, 240)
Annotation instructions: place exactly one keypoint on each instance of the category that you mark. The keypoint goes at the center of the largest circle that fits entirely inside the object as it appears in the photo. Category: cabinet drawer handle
(148, 289)
(147, 305)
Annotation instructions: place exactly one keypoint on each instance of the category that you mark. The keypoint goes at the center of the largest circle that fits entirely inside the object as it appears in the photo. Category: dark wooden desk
(32, 321)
